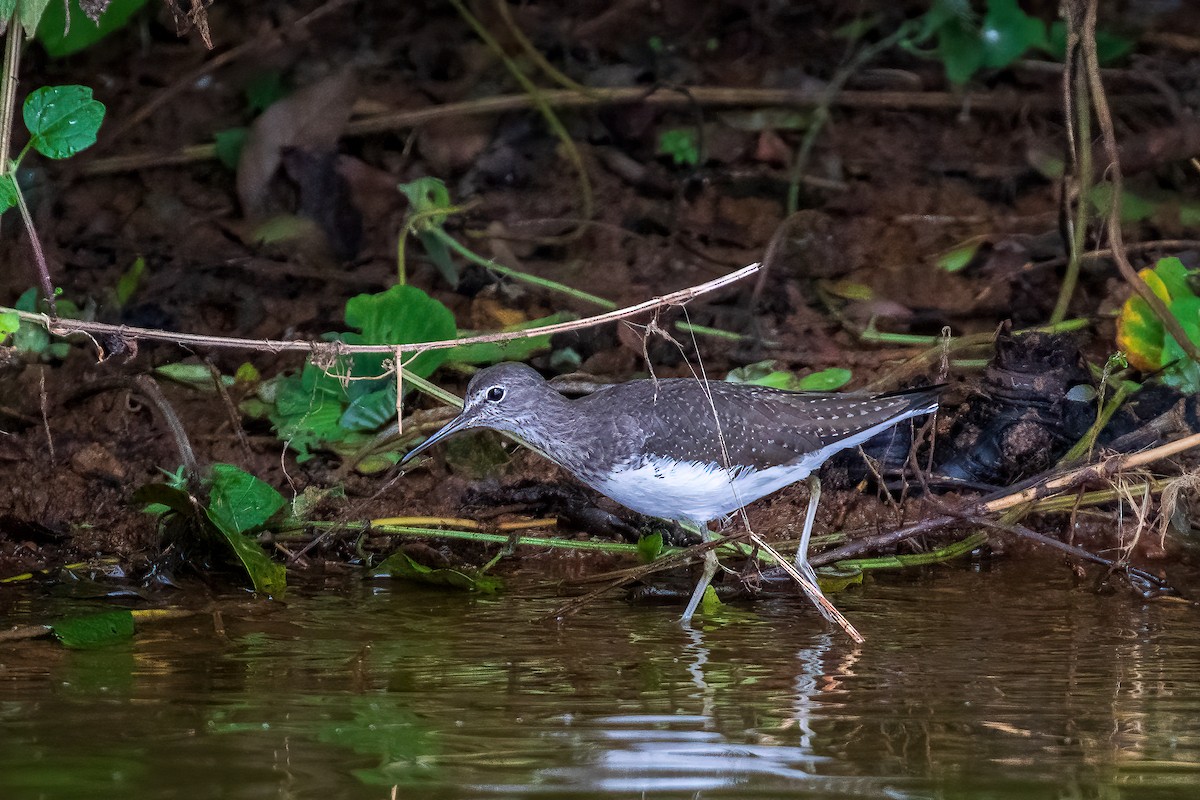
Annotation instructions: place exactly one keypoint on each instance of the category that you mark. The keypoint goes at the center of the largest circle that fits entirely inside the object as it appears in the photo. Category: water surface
(1015, 682)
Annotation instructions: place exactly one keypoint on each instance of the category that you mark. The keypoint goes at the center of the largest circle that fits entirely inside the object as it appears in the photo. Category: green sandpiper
(683, 449)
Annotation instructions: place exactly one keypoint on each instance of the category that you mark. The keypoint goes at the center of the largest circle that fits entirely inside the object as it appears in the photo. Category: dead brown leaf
(311, 119)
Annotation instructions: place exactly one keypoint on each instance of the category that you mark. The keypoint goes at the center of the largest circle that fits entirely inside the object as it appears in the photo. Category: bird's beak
(459, 423)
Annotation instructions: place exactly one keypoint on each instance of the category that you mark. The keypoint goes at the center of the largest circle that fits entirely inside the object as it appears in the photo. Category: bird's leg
(710, 569)
(814, 498)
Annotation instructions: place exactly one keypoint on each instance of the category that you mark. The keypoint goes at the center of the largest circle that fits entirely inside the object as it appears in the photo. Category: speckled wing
(760, 427)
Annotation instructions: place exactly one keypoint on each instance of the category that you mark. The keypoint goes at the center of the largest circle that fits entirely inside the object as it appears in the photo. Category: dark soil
(892, 188)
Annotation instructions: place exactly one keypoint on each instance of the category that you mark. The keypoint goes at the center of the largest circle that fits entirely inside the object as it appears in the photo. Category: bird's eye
(495, 394)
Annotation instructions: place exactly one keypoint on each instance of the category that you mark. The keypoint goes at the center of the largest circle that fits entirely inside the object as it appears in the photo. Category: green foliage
(264, 90)
(399, 565)
(429, 207)
(193, 375)
(515, 350)
(33, 341)
(62, 120)
(764, 373)
(1109, 46)
(238, 504)
(650, 546)
(10, 322)
(1167, 208)
(966, 42)
(681, 144)
(1143, 339)
(8, 192)
(127, 284)
(228, 144)
(94, 630)
(29, 13)
(958, 257)
(316, 408)
(60, 39)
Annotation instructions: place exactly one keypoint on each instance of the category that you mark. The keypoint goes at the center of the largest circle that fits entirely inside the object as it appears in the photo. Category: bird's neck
(555, 431)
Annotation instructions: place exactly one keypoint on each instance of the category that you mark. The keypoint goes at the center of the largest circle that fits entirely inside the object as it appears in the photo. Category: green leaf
(159, 498)
(515, 350)
(196, 376)
(59, 40)
(827, 380)
(1109, 46)
(400, 315)
(1134, 207)
(1008, 32)
(427, 195)
(650, 547)
(681, 144)
(94, 630)
(28, 301)
(238, 501)
(399, 565)
(763, 373)
(29, 12)
(958, 257)
(32, 339)
(269, 577)
(127, 284)
(315, 409)
(439, 254)
(8, 192)
(265, 90)
(247, 374)
(307, 408)
(62, 120)
(1142, 337)
(369, 411)
(228, 144)
(959, 50)
(9, 323)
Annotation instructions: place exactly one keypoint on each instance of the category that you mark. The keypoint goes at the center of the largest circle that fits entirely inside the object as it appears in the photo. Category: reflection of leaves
(405, 746)
(1141, 335)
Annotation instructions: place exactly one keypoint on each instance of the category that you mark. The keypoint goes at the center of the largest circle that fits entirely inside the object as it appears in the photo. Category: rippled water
(1009, 683)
